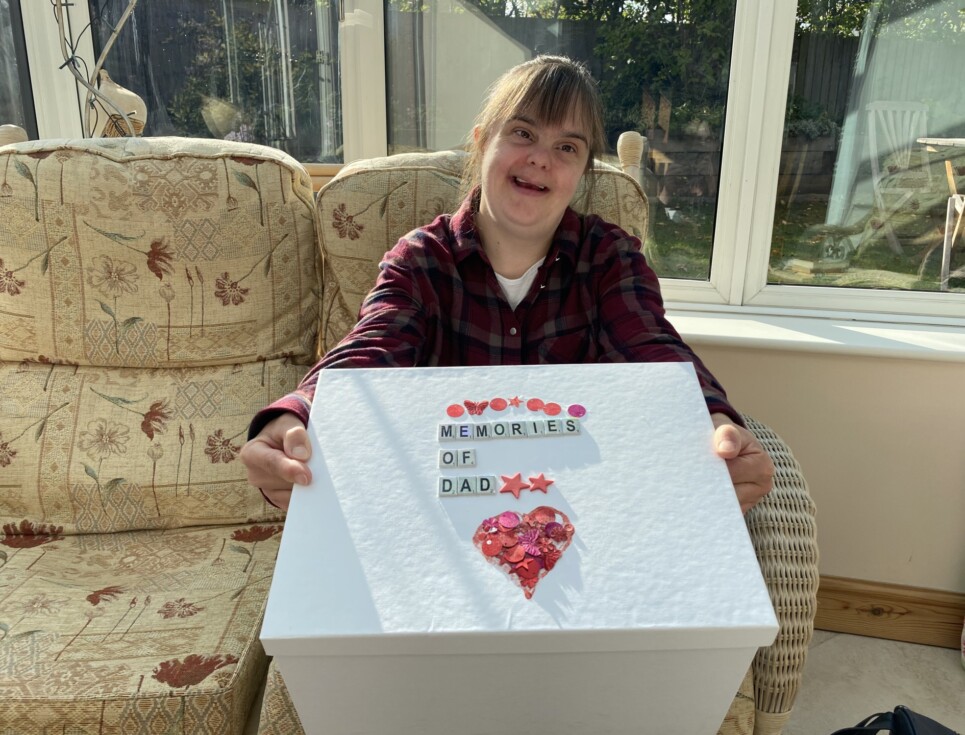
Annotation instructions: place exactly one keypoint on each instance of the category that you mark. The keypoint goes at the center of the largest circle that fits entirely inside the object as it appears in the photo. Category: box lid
(374, 562)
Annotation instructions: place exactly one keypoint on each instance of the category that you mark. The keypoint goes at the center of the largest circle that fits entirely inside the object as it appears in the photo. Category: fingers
(750, 494)
(751, 469)
(276, 458)
(728, 440)
(270, 468)
(753, 479)
(278, 498)
(296, 444)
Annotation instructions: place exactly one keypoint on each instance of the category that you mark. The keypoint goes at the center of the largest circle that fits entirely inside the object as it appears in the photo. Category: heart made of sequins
(526, 546)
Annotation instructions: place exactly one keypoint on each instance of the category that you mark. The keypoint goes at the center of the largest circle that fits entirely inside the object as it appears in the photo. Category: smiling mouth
(527, 185)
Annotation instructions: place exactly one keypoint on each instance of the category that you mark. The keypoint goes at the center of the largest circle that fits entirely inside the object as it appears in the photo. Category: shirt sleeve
(390, 332)
(633, 322)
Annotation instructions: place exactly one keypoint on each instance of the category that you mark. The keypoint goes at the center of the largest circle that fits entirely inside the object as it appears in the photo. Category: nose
(539, 156)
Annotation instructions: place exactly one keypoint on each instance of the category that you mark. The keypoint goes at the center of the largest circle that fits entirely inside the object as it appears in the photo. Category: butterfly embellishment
(475, 409)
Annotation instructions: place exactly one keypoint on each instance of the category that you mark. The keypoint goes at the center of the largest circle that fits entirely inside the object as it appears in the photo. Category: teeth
(524, 182)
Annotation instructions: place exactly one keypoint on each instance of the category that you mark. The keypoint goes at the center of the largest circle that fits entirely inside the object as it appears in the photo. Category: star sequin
(514, 401)
(527, 568)
(539, 483)
(513, 485)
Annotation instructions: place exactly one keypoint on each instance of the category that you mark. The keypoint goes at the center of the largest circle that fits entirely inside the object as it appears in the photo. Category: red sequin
(514, 554)
(498, 404)
(552, 409)
(490, 547)
(476, 409)
(534, 404)
(538, 538)
(455, 410)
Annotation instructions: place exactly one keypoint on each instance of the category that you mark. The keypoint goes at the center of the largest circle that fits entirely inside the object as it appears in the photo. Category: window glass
(874, 148)
(663, 71)
(16, 104)
(263, 71)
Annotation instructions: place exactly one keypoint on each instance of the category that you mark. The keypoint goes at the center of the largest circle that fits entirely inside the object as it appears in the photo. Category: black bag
(900, 722)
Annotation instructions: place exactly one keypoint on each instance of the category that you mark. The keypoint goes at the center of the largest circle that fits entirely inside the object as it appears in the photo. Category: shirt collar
(466, 236)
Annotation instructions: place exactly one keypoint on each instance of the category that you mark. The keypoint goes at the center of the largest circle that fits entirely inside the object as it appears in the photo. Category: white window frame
(759, 73)
(57, 98)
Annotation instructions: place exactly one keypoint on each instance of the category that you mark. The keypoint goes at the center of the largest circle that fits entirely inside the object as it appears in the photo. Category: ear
(476, 132)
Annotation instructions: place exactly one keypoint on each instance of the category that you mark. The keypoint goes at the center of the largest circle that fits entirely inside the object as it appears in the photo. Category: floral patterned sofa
(154, 293)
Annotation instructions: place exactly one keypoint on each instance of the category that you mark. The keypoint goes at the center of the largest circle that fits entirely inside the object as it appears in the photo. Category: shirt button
(512, 331)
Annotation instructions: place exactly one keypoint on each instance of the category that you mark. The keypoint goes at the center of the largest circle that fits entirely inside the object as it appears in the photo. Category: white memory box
(399, 603)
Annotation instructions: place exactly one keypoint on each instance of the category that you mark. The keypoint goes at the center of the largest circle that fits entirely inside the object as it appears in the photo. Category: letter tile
(486, 485)
(466, 485)
(571, 426)
(448, 458)
(517, 429)
(447, 432)
(447, 487)
(501, 430)
(466, 458)
(483, 431)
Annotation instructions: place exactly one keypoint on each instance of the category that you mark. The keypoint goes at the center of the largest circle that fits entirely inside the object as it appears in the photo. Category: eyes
(526, 133)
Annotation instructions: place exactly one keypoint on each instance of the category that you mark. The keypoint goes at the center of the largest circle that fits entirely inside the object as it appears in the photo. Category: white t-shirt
(516, 289)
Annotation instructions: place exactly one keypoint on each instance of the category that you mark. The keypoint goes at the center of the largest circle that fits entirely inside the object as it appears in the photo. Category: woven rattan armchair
(784, 535)
(367, 207)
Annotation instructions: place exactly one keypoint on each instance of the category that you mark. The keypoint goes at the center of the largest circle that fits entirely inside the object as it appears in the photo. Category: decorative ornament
(513, 485)
(535, 405)
(539, 483)
(12, 134)
(475, 409)
(103, 122)
(108, 109)
(526, 546)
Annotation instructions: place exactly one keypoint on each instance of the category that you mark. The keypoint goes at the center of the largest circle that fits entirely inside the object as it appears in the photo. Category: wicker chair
(362, 213)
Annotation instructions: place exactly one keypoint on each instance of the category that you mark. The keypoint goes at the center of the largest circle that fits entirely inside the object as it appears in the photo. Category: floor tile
(848, 678)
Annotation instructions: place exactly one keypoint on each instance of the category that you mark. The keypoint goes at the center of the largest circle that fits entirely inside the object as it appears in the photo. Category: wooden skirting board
(897, 612)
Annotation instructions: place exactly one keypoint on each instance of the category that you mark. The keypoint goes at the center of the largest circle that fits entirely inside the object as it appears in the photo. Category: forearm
(635, 327)
(390, 333)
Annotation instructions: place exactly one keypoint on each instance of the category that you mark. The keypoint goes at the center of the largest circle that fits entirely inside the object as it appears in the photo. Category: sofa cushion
(370, 204)
(89, 450)
(154, 294)
(159, 252)
(149, 632)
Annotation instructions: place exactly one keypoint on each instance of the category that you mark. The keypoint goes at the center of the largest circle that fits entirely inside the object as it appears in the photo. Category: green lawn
(681, 244)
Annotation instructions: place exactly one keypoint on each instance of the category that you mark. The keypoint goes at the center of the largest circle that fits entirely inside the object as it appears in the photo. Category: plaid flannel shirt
(437, 303)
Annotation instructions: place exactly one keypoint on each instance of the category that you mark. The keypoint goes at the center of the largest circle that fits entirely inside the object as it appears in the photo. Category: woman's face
(529, 174)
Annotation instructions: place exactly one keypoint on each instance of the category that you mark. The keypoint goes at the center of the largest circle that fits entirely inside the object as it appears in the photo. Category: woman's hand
(751, 469)
(277, 458)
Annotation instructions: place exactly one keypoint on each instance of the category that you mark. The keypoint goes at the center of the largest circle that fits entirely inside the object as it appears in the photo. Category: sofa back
(370, 204)
(154, 294)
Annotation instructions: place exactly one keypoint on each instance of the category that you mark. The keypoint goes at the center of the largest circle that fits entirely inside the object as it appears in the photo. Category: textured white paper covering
(370, 551)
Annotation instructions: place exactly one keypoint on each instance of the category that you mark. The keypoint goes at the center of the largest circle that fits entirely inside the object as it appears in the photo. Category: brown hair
(546, 89)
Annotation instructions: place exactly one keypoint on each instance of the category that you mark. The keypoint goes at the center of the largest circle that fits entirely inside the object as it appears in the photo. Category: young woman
(513, 277)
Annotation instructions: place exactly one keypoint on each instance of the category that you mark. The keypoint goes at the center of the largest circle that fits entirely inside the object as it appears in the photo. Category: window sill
(746, 327)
